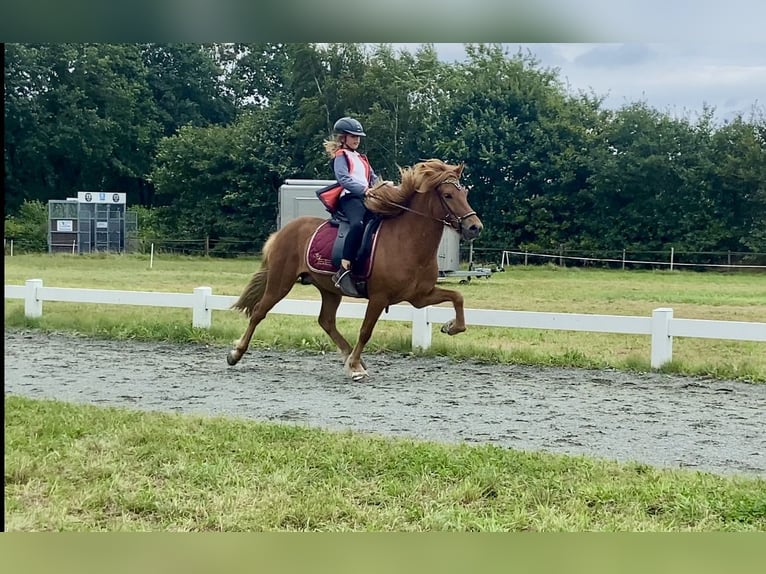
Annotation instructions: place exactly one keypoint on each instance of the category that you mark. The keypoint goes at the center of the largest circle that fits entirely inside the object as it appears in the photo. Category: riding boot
(345, 282)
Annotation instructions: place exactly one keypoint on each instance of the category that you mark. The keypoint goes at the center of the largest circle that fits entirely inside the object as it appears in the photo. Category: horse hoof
(232, 358)
(356, 373)
(450, 329)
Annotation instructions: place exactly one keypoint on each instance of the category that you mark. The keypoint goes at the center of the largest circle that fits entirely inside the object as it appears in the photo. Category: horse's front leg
(354, 365)
(439, 295)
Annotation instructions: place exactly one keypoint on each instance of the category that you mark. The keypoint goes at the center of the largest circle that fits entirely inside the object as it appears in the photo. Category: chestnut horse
(404, 268)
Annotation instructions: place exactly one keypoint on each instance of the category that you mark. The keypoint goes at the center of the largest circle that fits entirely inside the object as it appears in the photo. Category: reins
(454, 223)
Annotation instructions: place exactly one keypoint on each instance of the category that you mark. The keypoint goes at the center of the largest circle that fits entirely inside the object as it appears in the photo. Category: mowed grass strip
(87, 468)
(738, 296)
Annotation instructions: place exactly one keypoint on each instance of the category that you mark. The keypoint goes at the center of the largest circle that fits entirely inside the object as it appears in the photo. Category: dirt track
(717, 426)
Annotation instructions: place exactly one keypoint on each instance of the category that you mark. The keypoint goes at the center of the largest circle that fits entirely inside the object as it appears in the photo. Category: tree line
(201, 136)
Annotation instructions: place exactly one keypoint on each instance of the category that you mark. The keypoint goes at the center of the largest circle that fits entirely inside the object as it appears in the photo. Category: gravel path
(662, 420)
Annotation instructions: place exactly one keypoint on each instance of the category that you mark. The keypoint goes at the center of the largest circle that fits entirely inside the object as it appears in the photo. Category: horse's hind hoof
(232, 358)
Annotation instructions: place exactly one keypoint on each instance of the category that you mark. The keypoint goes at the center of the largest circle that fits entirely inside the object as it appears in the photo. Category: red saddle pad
(319, 252)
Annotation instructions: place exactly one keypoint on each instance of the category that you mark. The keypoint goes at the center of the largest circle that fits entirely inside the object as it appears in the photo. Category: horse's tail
(255, 289)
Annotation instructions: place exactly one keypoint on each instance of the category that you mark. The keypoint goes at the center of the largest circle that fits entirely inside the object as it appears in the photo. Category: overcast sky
(676, 78)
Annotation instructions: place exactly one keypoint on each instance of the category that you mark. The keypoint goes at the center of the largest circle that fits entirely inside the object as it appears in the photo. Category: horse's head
(454, 199)
(438, 186)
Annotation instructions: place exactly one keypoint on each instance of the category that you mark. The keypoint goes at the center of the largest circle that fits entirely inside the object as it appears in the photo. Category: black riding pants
(353, 207)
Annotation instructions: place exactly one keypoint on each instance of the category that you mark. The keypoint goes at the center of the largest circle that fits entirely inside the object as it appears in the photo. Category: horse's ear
(459, 169)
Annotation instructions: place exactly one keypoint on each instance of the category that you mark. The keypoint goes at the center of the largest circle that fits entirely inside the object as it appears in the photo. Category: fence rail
(661, 326)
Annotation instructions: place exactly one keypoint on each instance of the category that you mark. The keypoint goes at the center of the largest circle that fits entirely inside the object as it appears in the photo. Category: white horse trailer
(297, 197)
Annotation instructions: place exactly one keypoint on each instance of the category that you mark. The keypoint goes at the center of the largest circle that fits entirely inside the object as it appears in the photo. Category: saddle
(340, 221)
(325, 249)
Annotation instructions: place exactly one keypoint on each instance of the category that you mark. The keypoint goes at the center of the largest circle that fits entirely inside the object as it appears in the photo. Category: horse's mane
(418, 178)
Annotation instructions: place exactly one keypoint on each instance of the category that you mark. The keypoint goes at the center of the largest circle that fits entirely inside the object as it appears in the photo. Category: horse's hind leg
(271, 297)
(327, 315)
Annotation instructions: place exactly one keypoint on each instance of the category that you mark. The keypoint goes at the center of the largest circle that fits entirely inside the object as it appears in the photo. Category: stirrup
(343, 281)
(338, 275)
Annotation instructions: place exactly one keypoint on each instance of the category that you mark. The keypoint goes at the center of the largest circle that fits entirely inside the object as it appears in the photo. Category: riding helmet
(349, 125)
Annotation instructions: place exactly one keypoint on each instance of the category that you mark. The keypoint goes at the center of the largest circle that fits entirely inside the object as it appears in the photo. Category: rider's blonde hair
(333, 145)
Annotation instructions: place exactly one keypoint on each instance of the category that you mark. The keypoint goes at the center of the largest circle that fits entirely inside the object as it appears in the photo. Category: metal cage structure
(92, 222)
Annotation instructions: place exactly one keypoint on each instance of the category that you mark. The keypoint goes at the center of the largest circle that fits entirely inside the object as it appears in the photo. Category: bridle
(449, 219)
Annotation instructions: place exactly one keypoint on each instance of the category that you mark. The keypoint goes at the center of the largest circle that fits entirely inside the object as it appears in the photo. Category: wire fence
(625, 259)
(194, 247)
(479, 257)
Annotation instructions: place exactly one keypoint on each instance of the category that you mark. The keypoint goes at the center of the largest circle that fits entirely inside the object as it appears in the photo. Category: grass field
(86, 468)
(694, 295)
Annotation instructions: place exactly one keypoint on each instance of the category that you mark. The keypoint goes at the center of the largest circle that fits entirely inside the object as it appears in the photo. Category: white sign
(102, 224)
(100, 197)
(64, 225)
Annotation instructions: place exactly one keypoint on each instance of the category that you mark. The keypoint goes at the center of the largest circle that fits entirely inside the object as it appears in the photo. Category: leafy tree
(402, 115)
(739, 183)
(755, 238)
(391, 94)
(187, 85)
(223, 181)
(522, 140)
(255, 72)
(27, 170)
(29, 228)
(78, 116)
(661, 182)
(640, 177)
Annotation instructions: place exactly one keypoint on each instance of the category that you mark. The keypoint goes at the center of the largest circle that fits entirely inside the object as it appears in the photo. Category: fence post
(33, 307)
(421, 329)
(662, 340)
(201, 315)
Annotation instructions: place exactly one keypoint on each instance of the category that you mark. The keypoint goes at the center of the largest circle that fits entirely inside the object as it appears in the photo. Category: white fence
(661, 326)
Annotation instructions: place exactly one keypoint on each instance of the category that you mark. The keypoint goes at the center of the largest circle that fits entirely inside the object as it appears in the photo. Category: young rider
(353, 172)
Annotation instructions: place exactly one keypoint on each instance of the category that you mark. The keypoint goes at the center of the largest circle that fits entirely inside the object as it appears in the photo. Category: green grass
(693, 295)
(85, 468)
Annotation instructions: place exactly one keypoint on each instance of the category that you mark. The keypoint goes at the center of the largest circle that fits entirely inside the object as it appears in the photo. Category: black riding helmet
(348, 125)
